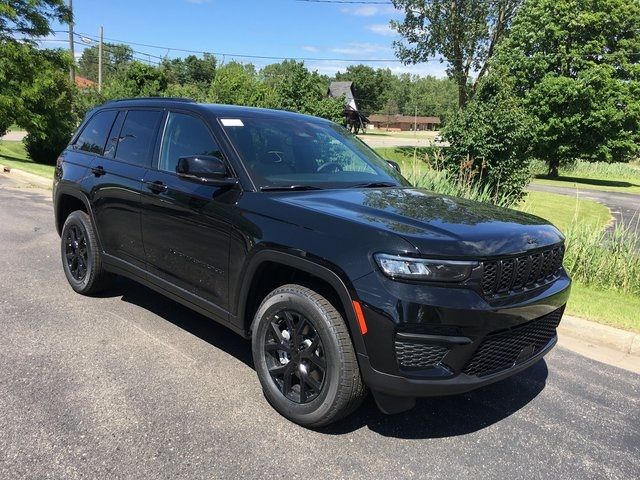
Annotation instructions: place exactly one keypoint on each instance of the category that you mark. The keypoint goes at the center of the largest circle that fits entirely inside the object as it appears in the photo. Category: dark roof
(338, 89)
(402, 119)
(211, 108)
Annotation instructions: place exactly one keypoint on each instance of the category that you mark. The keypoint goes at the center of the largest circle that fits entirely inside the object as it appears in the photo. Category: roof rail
(169, 99)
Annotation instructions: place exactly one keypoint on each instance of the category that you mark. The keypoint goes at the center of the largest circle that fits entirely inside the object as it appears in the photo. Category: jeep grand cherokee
(294, 233)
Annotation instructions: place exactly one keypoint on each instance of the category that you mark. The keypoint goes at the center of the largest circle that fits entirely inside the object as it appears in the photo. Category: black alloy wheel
(76, 252)
(295, 356)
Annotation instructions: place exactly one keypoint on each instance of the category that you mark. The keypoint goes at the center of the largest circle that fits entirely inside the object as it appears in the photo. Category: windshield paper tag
(232, 122)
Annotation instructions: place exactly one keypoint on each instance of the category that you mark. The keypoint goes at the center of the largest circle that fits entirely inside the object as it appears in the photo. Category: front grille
(520, 273)
(419, 355)
(504, 349)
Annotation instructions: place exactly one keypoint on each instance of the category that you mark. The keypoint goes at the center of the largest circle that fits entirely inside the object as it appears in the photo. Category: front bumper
(431, 340)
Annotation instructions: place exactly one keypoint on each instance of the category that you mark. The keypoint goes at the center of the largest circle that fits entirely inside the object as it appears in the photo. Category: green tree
(490, 140)
(191, 70)
(464, 32)
(114, 57)
(31, 18)
(137, 80)
(576, 65)
(46, 105)
(371, 86)
(237, 84)
(297, 89)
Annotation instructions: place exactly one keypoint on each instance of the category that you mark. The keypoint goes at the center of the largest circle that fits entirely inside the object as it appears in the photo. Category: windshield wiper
(288, 188)
(374, 185)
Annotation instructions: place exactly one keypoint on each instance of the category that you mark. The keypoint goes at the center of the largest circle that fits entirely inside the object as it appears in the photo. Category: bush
(45, 147)
(490, 140)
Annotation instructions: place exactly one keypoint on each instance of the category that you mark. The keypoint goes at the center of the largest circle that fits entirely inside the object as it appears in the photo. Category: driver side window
(185, 136)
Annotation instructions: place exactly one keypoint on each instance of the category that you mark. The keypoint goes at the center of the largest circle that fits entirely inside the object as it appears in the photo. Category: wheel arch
(307, 272)
(68, 201)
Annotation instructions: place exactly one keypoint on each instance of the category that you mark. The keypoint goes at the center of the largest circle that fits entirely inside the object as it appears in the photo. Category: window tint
(94, 135)
(114, 136)
(185, 136)
(136, 141)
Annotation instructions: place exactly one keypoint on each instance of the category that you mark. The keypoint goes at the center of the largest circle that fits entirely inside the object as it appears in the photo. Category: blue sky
(282, 28)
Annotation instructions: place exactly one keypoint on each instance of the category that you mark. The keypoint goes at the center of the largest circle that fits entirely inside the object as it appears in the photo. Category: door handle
(157, 186)
(98, 171)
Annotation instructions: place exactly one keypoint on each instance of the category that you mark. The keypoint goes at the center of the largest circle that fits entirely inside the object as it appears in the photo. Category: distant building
(82, 82)
(355, 120)
(404, 122)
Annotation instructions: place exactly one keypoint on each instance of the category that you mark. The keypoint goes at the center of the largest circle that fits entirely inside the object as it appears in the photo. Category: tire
(317, 335)
(84, 271)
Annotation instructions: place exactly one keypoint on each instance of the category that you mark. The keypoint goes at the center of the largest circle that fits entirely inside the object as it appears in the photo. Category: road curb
(26, 177)
(622, 341)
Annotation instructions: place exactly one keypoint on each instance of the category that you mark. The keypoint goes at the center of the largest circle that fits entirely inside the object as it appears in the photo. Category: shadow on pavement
(590, 181)
(433, 417)
(202, 327)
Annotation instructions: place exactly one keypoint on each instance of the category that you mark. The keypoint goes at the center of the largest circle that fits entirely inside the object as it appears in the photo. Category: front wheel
(304, 357)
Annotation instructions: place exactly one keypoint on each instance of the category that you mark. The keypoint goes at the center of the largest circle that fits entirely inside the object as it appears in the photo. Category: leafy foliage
(464, 32)
(31, 17)
(490, 139)
(46, 106)
(370, 86)
(115, 56)
(576, 65)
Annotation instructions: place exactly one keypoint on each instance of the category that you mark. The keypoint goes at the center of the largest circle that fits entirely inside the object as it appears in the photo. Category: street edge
(26, 177)
(623, 341)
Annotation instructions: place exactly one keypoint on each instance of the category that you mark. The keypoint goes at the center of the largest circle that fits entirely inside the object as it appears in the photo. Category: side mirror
(205, 169)
(394, 165)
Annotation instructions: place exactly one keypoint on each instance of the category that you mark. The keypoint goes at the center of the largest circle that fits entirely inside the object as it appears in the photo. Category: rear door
(185, 224)
(117, 184)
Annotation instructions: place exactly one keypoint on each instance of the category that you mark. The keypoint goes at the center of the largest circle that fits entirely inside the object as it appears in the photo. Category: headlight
(422, 269)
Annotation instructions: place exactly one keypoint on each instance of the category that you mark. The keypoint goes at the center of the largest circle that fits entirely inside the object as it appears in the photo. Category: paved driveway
(132, 385)
(625, 207)
(14, 136)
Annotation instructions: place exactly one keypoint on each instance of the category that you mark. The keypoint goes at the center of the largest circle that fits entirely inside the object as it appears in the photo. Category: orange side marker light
(360, 317)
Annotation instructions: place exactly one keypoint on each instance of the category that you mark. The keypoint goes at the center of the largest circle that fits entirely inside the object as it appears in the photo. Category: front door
(185, 224)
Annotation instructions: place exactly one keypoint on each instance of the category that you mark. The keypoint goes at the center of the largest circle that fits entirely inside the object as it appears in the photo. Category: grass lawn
(603, 306)
(14, 128)
(563, 210)
(604, 184)
(13, 154)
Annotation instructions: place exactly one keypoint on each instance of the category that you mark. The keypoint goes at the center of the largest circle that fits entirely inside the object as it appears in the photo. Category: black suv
(292, 232)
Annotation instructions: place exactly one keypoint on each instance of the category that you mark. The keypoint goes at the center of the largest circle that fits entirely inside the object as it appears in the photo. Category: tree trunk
(462, 91)
(554, 163)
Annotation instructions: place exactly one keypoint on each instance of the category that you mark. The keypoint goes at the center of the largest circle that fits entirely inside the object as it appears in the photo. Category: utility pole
(72, 70)
(415, 122)
(100, 59)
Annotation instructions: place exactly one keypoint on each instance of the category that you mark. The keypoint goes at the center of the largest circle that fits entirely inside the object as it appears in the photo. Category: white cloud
(430, 68)
(361, 49)
(370, 10)
(383, 29)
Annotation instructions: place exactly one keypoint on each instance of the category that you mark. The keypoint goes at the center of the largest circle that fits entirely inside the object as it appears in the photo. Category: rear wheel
(304, 357)
(81, 258)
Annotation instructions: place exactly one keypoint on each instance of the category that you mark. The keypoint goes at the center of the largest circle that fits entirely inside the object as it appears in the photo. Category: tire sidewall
(307, 413)
(76, 219)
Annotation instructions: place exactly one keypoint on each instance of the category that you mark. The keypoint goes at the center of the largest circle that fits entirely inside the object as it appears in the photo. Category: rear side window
(137, 137)
(94, 135)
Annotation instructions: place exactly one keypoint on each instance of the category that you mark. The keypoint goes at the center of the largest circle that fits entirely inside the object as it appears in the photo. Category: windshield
(298, 153)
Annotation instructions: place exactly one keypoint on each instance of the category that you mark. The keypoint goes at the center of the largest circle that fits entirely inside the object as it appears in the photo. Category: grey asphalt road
(132, 385)
(625, 207)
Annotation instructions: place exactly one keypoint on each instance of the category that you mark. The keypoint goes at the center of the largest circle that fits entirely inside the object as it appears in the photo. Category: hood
(434, 224)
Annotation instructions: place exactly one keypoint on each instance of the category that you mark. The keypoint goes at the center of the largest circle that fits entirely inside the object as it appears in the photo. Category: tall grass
(426, 170)
(579, 168)
(607, 260)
